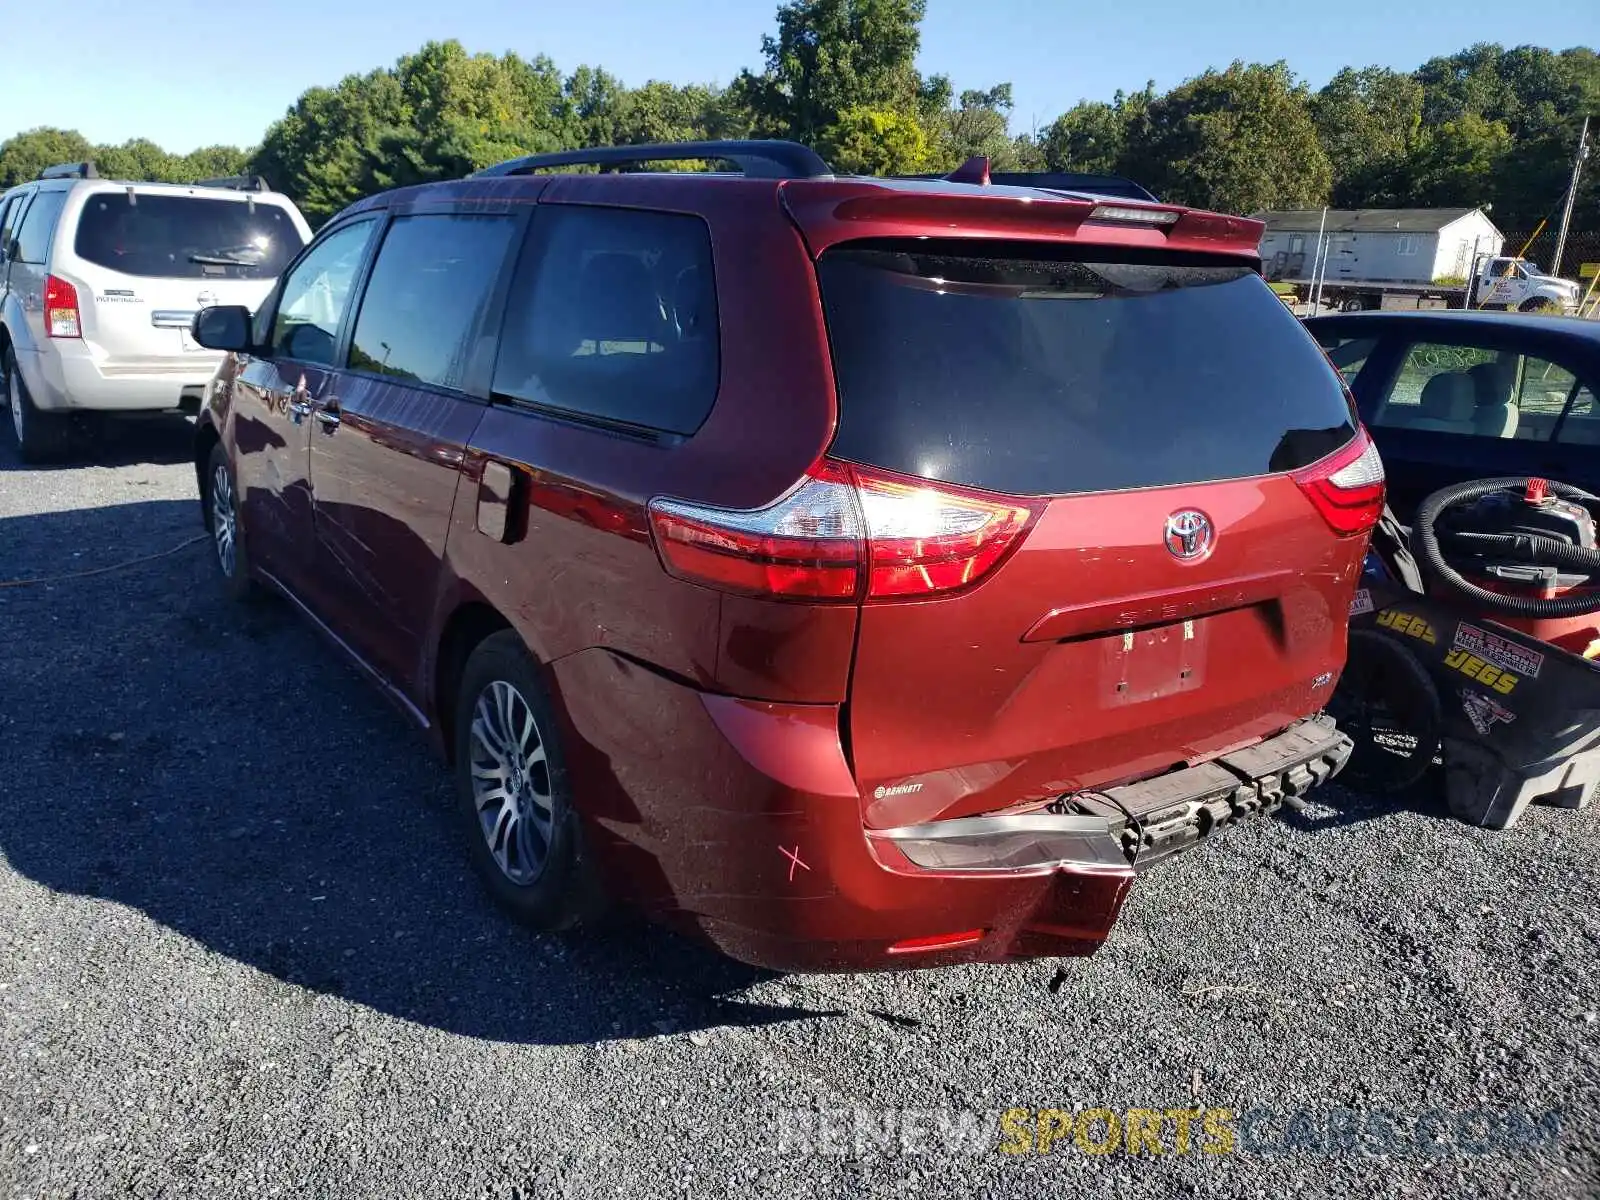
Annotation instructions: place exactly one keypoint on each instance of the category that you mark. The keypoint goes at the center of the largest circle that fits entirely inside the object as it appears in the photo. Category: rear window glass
(186, 237)
(1018, 370)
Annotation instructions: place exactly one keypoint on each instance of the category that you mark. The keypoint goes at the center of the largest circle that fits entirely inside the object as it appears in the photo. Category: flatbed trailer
(1499, 283)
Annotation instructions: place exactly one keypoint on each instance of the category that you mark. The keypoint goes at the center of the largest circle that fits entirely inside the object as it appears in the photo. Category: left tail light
(1347, 486)
(61, 318)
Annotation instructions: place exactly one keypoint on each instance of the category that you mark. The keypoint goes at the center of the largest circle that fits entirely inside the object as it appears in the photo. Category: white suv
(99, 280)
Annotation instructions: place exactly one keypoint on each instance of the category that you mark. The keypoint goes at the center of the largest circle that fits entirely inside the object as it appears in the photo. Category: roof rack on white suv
(77, 170)
(88, 170)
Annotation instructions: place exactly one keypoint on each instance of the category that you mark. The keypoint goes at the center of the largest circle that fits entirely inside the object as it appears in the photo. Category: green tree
(875, 141)
(1457, 163)
(1089, 136)
(139, 158)
(330, 148)
(593, 102)
(831, 63)
(1513, 117)
(663, 112)
(978, 123)
(212, 162)
(1237, 140)
(1029, 152)
(1368, 121)
(22, 157)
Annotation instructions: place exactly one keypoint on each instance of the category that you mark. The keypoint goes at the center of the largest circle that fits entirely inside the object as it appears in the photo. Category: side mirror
(222, 327)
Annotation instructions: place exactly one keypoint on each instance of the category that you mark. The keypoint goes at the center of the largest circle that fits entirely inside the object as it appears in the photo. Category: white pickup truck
(1516, 283)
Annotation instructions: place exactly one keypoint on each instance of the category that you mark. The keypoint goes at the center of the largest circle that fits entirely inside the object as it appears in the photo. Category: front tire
(221, 504)
(513, 795)
(41, 436)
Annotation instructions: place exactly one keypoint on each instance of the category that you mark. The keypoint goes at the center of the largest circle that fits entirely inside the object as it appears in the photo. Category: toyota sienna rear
(858, 573)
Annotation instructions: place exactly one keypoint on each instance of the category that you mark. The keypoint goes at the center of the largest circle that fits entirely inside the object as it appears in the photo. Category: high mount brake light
(1127, 214)
(1347, 486)
(61, 309)
(845, 534)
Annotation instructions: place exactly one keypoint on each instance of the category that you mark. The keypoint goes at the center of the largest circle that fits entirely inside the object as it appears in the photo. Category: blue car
(1451, 395)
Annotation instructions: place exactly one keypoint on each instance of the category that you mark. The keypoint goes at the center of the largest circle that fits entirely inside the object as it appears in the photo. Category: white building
(1400, 245)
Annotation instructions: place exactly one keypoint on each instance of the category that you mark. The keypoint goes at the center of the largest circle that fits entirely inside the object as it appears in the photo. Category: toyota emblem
(1189, 535)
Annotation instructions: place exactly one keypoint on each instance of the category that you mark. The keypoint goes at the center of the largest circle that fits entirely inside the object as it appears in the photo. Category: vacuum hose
(1528, 548)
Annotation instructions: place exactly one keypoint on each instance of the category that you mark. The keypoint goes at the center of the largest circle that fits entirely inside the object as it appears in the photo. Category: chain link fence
(1582, 247)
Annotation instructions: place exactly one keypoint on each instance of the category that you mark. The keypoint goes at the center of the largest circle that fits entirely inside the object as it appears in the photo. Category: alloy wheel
(511, 782)
(224, 521)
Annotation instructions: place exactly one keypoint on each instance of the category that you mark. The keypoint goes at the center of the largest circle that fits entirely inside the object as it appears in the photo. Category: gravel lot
(241, 955)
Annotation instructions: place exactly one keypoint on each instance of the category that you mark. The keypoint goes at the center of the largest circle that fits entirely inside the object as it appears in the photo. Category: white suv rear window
(186, 237)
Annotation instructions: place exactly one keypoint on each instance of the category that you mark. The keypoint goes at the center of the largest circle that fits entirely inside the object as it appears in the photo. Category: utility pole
(1572, 194)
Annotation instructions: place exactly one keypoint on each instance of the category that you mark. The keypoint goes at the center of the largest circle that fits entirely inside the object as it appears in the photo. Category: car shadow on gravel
(1337, 806)
(113, 442)
(219, 769)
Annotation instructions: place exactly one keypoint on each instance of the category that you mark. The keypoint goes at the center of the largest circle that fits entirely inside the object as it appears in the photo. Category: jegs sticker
(1484, 712)
(1409, 624)
(1502, 652)
(1362, 603)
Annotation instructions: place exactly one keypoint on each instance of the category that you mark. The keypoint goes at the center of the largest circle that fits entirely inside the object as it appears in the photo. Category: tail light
(1347, 486)
(846, 533)
(61, 309)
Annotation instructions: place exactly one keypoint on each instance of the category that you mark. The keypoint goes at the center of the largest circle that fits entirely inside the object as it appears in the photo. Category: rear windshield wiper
(221, 260)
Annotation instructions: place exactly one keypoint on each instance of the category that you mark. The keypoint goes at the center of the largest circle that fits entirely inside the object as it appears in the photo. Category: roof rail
(759, 159)
(239, 183)
(77, 170)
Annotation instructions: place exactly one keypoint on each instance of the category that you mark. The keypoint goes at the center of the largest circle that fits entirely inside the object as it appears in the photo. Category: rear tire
(513, 795)
(219, 502)
(40, 436)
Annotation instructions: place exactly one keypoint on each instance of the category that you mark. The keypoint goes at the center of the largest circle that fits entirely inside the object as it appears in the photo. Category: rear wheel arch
(467, 627)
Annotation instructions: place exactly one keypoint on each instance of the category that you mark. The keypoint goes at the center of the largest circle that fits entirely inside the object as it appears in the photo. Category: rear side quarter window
(38, 227)
(612, 316)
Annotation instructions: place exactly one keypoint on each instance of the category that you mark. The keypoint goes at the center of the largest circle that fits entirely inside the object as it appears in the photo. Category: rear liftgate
(1478, 651)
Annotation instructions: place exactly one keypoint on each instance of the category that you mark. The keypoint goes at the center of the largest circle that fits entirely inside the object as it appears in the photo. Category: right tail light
(1347, 486)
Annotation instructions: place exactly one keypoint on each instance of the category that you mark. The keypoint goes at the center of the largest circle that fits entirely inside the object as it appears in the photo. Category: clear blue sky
(187, 73)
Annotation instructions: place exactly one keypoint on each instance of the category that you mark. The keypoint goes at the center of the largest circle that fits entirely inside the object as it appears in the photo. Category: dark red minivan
(860, 573)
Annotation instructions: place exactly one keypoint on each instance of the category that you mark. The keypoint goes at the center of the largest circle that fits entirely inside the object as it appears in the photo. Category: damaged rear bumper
(741, 821)
(1160, 816)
